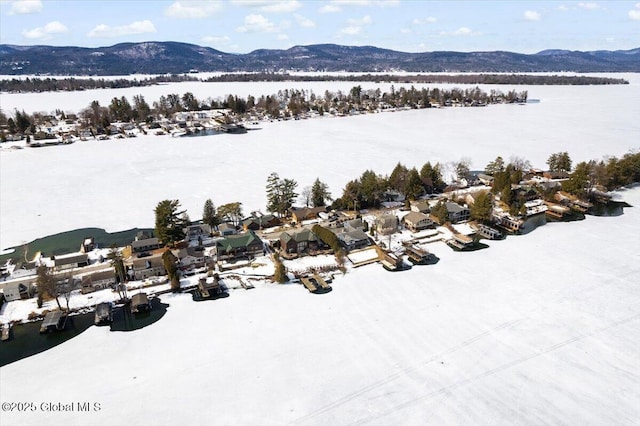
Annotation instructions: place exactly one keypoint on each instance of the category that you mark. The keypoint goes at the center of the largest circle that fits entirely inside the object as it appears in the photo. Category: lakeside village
(187, 115)
(374, 222)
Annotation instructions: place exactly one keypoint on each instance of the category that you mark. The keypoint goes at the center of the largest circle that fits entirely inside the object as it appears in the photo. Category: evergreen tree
(482, 207)
(280, 194)
(413, 186)
(22, 121)
(559, 162)
(170, 222)
(371, 188)
(439, 211)
(495, 166)
(351, 195)
(578, 183)
(462, 169)
(141, 109)
(432, 177)
(209, 214)
(11, 125)
(398, 177)
(506, 196)
(320, 194)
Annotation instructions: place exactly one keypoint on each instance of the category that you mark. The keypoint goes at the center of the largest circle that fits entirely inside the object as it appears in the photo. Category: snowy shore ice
(537, 329)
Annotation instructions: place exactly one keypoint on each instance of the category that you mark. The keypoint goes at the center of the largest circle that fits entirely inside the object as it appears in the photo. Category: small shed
(53, 321)
(104, 313)
(140, 303)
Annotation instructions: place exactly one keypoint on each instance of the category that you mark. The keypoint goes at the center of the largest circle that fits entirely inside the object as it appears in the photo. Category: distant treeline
(520, 79)
(73, 84)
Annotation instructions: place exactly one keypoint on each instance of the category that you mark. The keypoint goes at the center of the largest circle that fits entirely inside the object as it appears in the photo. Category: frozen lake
(538, 329)
(116, 184)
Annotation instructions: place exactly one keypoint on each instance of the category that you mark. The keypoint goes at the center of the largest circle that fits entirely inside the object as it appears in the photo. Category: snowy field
(539, 329)
(116, 184)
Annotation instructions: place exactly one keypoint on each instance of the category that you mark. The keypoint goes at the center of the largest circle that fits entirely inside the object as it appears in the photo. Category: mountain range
(174, 57)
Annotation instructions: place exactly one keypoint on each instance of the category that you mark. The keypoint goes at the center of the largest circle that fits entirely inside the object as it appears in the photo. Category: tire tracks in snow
(403, 372)
(493, 371)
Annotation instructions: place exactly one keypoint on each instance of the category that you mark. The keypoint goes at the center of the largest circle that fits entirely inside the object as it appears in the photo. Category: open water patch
(26, 340)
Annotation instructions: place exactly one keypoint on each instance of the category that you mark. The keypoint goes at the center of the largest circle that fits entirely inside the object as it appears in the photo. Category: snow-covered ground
(116, 184)
(537, 329)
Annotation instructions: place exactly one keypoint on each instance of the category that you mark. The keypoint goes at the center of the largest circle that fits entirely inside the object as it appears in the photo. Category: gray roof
(190, 251)
(79, 258)
(224, 226)
(139, 299)
(387, 220)
(454, 207)
(303, 235)
(352, 236)
(52, 318)
(354, 223)
(99, 276)
(145, 243)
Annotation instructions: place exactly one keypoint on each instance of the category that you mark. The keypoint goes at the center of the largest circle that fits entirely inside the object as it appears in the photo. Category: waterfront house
(70, 261)
(191, 257)
(391, 195)
(354, 225)
(257, 222)
(299, 214)
(456, 212)
(226, 229)
(555, 175)
(194, 232)
(241, 246)
(485, 179)
(415, 221)
(353, 240)
(387, 224)
(97, 281)
(420, 207)
(17, 291)
(148, 266)
(299, 242)
(145, 245)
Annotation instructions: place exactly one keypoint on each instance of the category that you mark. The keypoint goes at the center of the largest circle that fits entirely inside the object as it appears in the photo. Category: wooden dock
(315, 284)
(308, 284)
(321, 281)
(489, 232)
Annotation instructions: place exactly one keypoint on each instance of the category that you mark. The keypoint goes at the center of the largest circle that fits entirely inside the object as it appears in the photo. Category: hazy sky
(241, 26)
